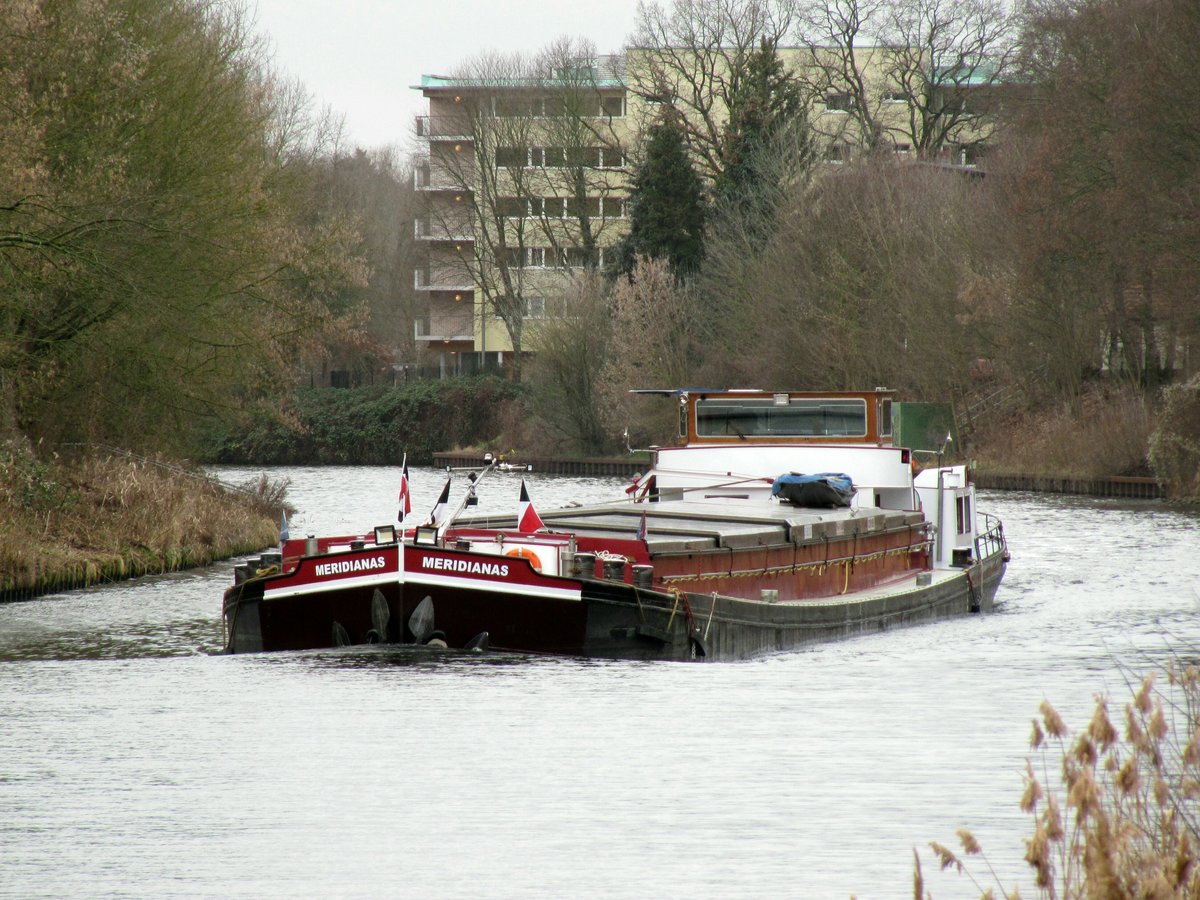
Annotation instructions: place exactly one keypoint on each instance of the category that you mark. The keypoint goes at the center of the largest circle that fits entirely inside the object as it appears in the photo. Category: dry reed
(1108, 435)
(72, 523)
(1115, 813)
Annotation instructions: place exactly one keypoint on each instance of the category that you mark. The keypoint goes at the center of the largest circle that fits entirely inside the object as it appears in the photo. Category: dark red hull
(583, 617)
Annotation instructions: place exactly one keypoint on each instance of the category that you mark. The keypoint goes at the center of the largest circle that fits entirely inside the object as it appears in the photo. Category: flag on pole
(283, 529)
(527, 517)
(641, 532)
(405, 500)
(442, 508)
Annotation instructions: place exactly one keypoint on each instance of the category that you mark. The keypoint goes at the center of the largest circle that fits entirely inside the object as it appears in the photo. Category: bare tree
(654, 320)
(920, 74)
(843, 69)
(947, 60)
(693, 58)
(841, 296)
(1105, 198)
(583, 154)
(573, 346)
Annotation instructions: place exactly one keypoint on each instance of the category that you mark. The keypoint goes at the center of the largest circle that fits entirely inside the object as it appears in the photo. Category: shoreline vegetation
(95, 517)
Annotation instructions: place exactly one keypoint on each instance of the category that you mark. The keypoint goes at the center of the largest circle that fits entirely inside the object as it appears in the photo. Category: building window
(510, 157)
(548, 157)
(578, 258)
(537, 257)
(588, 157)
(510, 207)
(613, 207)
(837, 102)
(611, 158)
(514, 106)
(537, 207)
(613, 106)
(894, 97)
(587, 207)
(535, 307)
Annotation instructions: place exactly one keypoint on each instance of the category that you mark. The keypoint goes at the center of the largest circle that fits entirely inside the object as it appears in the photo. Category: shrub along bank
(68, 523)
(373, 425)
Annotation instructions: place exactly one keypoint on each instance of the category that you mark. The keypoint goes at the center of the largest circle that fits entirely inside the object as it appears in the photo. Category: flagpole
(404, 500)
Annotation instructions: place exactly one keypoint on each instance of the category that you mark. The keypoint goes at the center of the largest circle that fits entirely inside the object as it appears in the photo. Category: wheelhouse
(741, 417)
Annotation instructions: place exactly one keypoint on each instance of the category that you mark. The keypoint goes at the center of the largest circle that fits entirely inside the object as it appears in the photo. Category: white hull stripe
(494, 587)
(333, 584)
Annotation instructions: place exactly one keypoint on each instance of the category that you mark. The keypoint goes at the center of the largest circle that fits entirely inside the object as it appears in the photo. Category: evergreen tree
(766, 144)
(667, 208)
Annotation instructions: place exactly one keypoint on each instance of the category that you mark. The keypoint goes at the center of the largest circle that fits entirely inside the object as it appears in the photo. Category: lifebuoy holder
(526, 553)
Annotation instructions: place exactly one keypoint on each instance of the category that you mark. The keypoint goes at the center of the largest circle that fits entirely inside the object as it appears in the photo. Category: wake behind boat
(780, 519)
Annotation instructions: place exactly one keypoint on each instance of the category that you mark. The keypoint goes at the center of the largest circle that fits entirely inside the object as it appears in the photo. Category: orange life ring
(526, 553)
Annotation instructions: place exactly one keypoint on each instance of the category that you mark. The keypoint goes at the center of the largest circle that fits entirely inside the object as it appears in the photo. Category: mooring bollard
(614, 569)
(585, 565)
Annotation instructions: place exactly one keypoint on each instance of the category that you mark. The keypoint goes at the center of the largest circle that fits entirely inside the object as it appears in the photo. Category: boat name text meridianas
(350, 565)
(466, 566)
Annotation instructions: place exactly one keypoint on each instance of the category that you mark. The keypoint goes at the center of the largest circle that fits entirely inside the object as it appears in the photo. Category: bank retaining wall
(621, 466)
(1114, 486)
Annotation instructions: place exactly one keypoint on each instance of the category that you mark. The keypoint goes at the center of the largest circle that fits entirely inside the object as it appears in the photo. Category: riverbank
(69, 523)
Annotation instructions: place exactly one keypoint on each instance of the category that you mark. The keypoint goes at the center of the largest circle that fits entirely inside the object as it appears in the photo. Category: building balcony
(425, 178)
(427, 230)
(454, 280)
(444, 128)
(445, 329)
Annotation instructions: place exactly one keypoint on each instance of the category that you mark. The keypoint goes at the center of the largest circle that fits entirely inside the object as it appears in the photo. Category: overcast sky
(361, 57)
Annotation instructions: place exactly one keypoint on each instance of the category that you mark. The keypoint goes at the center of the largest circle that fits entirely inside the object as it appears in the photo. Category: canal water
(136, 762)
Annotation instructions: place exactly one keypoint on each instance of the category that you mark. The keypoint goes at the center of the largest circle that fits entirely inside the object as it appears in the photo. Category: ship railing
(990, 539)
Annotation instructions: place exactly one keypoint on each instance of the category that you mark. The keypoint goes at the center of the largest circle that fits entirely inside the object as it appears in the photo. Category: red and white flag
(527, 518)
(441, 509)
(405, 499)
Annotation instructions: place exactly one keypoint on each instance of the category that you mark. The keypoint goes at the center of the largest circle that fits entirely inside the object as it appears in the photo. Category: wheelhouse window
(733, 417)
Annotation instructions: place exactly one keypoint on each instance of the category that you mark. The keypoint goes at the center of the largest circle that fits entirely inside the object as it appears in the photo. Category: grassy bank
(67, 523)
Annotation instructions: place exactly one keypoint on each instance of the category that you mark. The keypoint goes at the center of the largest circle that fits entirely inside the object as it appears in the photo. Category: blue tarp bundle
(823, 489)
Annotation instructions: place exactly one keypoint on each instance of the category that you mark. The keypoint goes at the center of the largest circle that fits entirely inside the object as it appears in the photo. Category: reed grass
(67, 523)
(1115, 811)
(1108, 434)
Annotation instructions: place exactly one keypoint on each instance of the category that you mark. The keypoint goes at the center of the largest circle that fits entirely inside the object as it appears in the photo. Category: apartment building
(525, 180)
